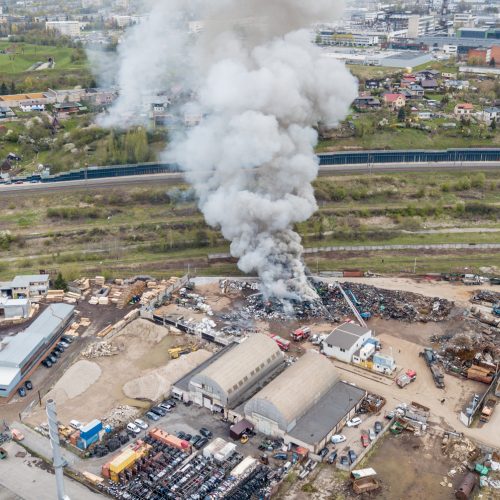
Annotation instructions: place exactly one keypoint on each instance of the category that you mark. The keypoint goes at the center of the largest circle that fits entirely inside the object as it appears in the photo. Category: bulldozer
(176, 352)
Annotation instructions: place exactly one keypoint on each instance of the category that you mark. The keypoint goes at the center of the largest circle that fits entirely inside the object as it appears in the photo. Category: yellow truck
(176, 352)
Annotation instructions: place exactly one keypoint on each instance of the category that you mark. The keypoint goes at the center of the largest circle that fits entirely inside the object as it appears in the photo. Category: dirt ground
(143, 346)
(425, 467)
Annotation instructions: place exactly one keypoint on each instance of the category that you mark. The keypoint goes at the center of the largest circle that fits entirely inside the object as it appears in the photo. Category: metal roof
(346, 335)
(25, 280)
(19, 348)
(327, 413)
(243, 359)
(297, 389)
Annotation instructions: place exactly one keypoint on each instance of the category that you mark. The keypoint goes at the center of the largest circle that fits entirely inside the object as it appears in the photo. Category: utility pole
(58, 460)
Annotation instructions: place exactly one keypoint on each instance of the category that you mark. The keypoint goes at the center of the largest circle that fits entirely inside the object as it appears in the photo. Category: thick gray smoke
(261, 87)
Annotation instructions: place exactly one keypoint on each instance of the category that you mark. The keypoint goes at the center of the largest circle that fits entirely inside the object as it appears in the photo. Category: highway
(176, 178)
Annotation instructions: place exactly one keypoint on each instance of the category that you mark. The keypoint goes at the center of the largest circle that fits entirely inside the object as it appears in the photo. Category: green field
(130, 230)
(21, 56)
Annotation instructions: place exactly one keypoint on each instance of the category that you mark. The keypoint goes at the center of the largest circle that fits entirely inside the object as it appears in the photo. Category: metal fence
(328, 159)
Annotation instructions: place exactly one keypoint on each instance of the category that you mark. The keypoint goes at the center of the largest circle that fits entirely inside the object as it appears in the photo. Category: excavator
(176, 352)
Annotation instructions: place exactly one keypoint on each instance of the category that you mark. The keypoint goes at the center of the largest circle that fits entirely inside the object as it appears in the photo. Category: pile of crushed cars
(387, 304)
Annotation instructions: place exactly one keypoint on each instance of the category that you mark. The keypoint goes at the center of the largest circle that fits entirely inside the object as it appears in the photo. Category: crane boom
(351, 305)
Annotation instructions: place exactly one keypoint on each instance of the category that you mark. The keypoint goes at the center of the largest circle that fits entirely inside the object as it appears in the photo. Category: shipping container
(122, 461)
(83, 444)
(353, 274)
(90, 429)
(168, 439)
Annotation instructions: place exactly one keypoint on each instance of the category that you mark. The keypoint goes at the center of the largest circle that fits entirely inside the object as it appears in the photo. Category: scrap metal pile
(369, 300)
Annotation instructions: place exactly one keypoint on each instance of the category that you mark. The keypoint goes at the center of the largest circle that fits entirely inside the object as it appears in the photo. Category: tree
(60, 283)
(3, 89)
(493, 62)
(493, 125)
(401, 115)
(12, 88)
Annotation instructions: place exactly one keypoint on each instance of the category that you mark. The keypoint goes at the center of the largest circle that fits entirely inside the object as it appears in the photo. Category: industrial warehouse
(221, 383)
(22, 353)
(306, 404)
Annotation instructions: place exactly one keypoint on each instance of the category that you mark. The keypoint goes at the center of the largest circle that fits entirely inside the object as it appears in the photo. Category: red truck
(302, 333)
(283, 344)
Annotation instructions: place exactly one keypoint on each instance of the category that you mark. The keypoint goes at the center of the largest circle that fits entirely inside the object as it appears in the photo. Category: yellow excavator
(176, 352)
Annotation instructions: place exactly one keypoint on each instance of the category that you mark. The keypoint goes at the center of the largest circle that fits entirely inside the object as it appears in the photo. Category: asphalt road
(176, 178)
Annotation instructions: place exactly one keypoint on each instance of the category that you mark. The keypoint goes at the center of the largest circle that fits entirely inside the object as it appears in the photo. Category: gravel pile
(100, 349)
(120, 415)
(158, 382)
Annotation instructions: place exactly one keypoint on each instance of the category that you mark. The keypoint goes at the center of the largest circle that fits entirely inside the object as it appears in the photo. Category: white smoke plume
(261, 87)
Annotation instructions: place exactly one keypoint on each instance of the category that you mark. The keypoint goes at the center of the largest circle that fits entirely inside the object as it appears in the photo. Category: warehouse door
(265, 425)
(207, 402)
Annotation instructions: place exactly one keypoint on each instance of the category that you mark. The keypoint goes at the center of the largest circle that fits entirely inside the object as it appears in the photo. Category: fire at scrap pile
(387, 304)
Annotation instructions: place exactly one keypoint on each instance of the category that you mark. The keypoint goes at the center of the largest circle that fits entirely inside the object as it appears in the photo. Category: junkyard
(200, 388)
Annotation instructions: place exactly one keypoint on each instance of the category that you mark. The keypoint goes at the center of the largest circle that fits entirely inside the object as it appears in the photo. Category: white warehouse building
(345, 340)
(222, 383)
(306, 404)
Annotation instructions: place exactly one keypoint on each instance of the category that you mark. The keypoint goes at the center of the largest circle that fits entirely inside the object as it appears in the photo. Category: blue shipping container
(83, 444)
(90, 429)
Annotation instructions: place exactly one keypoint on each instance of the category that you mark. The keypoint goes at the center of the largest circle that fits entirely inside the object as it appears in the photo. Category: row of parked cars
(198, 441)
(57, 352)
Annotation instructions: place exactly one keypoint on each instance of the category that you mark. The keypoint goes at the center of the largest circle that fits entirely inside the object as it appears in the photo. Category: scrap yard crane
(354, 309)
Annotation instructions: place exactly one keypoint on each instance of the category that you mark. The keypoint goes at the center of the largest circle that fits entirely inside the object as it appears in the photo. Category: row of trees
(132, 147)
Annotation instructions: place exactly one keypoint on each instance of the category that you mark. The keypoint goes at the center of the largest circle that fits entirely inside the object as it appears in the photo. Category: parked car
(332, 457)
(372, 434)
(159, 411)
(47, 363)
(195, 439)
(365, 441)
(28, 385)
(132, 427)
(67, 339)
(63, 344)
(22, 392)
(352, 456)
(181, 435)
(188, 436)
(323, 452)
(59, 349)
(338, 438)
(165, 407)
(206, 433)
(170, 402)
(52, 358)
(280, 456)
(378, 427)
(76, 424)
(354, 422)
(152, 416)
(344, 460)
(140, 423)
(200, 443)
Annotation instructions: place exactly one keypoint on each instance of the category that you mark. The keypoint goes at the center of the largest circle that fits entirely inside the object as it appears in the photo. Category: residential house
(25, 286)
(428, 74)
(373, 83)
(490, 115)
(429, 85)
(416, 91)
(463, 110)
(6, 112)
(69, 107)
(457, 84)
(32, 107)
(395, 101)
(366, 102)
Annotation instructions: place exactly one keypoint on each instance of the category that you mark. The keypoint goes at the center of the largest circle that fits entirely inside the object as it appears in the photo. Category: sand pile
(77, 379)
(158, 382)
(146, 330)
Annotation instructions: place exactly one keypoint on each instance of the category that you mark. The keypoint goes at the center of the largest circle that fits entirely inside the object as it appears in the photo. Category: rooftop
(17, 349)
(346, 335)
(325, 415)
(26, 279)
(19, 97)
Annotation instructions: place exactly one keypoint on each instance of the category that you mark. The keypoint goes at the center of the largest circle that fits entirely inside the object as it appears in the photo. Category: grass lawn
(22, 56)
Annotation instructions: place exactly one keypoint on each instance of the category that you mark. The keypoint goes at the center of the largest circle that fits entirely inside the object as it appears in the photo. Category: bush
(72, 213)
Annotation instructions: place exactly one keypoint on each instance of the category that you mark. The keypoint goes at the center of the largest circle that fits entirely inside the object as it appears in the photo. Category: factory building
(345, 340)
(223, 381)
(306, 404)
(21, 353)
(12, 309)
